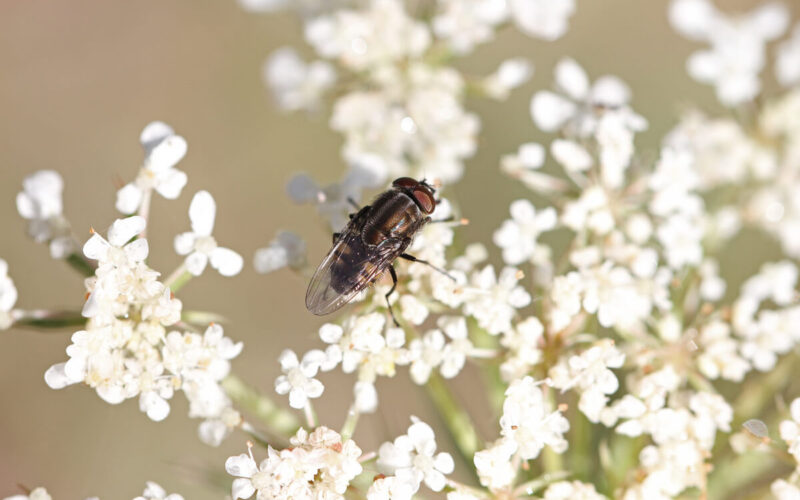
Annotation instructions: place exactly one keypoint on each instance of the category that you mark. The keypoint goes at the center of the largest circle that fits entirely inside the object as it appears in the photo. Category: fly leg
(414, 259)
(351, 201)
(336, 236)
(390, 292)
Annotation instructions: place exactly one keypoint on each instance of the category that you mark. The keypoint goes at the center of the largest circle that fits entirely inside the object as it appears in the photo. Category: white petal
(610, 91)
(531, 155)
(302, 189)
(153, 133)
(196, 263)
(241, 466)
(184, 243)
(549, 110)
(202, 212)
(96, 247)
(122, 230)
(171, 183)
(297, 399)
(56, 377)
(137, 250)
(571, 155)
(242, 488)
(692, 18)
(166, 153)
(226, 261)
(769, 20)
(129, 198)
(26, 206)
(572, 79)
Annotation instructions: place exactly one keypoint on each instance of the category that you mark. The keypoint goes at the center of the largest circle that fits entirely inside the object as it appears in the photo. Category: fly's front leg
(390, 292)
(414, 259)
(336, 237)
(351, 201)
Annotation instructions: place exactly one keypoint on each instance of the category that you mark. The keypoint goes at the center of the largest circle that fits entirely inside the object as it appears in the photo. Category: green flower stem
(42, 318)
(350, 423)
(202, 317)
(760, 391)
(551, 461)
(496, 388)
(455, 417)
(279, 420)
(79, 263)
(178, 278)
(735, 475)
(537, 484)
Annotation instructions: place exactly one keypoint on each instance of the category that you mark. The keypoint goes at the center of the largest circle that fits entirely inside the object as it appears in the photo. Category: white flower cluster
(317, 465)
(126, 349)
(134, 343)
(737, 52)
(399, 107)
(8, 296)
(153, 491)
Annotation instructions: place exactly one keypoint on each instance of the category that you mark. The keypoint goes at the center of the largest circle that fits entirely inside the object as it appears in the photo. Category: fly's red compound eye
(405, 182)
(425, 199)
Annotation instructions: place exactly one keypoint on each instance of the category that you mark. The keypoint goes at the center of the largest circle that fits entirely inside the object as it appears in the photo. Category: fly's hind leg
(390, 292)
(414, 259)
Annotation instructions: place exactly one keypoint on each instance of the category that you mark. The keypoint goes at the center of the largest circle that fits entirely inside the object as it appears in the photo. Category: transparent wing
(347, 269)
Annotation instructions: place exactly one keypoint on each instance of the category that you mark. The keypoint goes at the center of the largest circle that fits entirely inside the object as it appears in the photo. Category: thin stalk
(455, 417)
(144, 210)
(79, 263)
(310, 414)
(350, 423)
(178, 278)
(42, 318)
(759, 391)
(279, 420)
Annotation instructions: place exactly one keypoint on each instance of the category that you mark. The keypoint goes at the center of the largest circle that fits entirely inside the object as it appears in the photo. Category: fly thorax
(205, 244)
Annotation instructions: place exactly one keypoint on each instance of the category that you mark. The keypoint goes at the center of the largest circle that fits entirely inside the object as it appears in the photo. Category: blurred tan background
(79, 80)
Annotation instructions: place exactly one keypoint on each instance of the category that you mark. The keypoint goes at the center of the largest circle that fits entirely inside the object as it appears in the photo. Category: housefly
(370, 243)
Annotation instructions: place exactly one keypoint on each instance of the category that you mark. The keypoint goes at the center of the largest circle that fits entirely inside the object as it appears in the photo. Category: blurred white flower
(784, 490)
(163, 150)
(738, 45)
(8, 296)
(412, 458)
(545, 19)
(572, 490)
(465, 24)
(198, 244)
(298, 377)
(263, 5)
(286, 249)
(40, 203)
(528, 423)
(576, 105)
(380, 34)
(390, 488)
(154, 491)
(295, 83)
(39, 493)
(787, 61)
(509, 75)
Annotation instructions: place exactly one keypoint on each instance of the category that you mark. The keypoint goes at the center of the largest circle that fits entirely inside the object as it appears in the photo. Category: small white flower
(494, 465)
(298, 378)
(518, 236)
(527, 422)
(40, 203)
(545, 19)
(8, 296)
(287, 249)
(572, 490)
(493, 300)
(790, 430)
(36, 494)
(511, 74)
(153, 491)
(198, 244)
(466, 24)
(295, 83)
(390, 488)
(784, 490)
(412, 458)
(576, 104)
(163, 150)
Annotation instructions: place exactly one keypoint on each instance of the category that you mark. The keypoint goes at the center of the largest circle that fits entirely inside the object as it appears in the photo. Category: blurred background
(78, 82)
